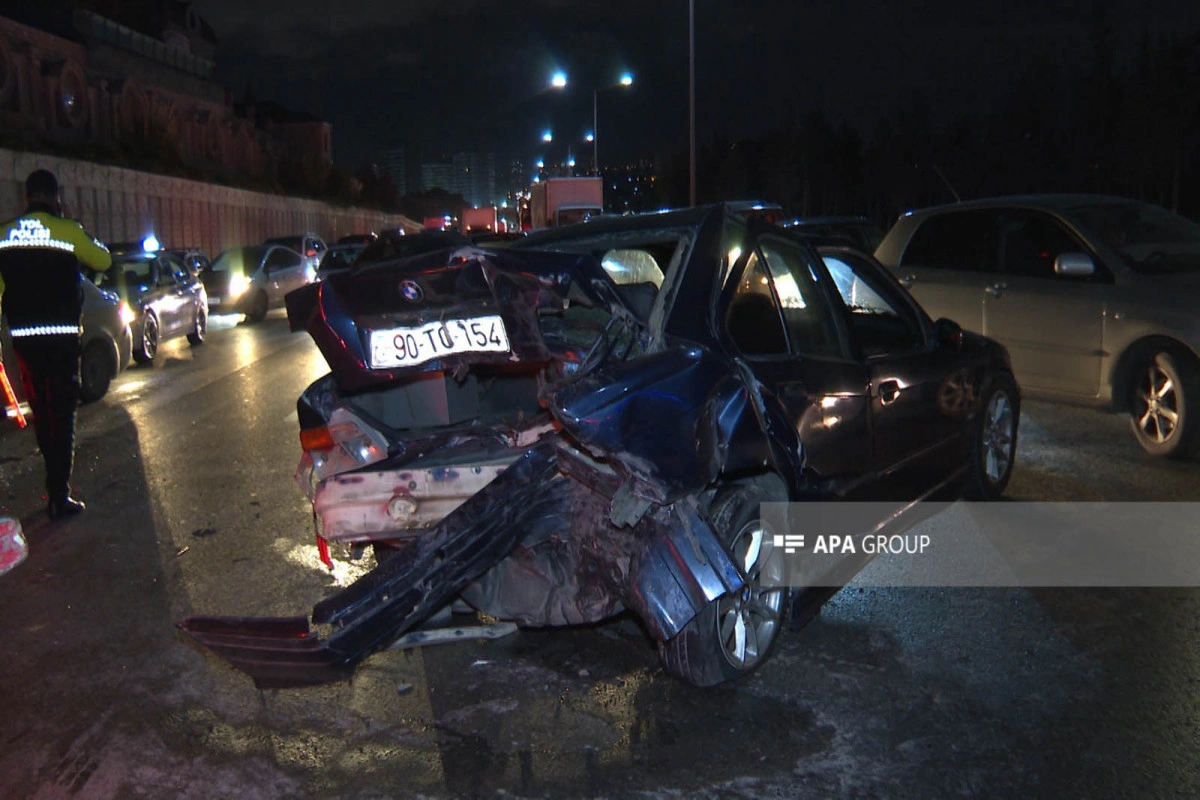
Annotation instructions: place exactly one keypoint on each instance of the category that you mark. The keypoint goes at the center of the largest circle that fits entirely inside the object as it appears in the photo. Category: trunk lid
(446, 311)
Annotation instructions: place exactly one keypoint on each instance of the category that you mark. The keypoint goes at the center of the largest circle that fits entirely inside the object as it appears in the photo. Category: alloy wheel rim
(1158, 417)
(998, 437)
(748, 620)
(150, 337)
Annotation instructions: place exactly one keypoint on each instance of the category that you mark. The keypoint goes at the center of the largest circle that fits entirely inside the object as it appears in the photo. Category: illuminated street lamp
(547, 136)
(558, 80)
(626, 80)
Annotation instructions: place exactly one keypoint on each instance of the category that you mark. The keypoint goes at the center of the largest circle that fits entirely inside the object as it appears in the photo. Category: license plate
(407, 347)
(214, 301)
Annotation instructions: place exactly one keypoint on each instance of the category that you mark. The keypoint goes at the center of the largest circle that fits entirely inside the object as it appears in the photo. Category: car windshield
(237, 260)
(1152, 240)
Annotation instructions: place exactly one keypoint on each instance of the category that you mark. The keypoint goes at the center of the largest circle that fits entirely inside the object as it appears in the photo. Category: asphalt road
(187, 471)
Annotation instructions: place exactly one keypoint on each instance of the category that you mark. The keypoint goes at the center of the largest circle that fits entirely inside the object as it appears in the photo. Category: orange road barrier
(10, 397)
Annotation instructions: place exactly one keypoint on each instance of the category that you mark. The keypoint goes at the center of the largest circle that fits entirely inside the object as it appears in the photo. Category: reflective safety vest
(40, 258)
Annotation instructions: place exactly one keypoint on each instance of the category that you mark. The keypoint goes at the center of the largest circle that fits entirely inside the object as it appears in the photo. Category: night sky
(442, 76)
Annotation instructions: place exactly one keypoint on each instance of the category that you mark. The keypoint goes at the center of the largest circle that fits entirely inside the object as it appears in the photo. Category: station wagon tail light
(126, 313)
(343, 444)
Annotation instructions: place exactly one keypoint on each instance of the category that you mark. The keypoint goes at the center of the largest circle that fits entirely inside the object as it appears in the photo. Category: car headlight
(126, 313)
(238, 284)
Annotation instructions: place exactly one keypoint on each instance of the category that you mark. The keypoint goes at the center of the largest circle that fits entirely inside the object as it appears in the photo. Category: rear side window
(964, 241)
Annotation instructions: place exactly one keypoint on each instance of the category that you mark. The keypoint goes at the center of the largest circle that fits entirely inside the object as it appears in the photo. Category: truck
(480, 220)
(563, 201)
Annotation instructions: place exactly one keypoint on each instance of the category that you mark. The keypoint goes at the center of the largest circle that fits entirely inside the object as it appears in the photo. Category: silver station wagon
(1096, 298)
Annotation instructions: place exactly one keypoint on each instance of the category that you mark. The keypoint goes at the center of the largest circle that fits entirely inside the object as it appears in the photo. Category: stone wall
(124, 205)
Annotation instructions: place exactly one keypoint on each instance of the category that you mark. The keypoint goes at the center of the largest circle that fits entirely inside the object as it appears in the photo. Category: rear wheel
(201, 330)
(258, 307)
(147, 344)
(96, 370)
(735, 633)
(1162, 396)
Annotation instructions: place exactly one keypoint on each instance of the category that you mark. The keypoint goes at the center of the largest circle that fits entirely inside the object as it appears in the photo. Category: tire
(994, 440)
(201, 330)
(258, 308)
(147, 344)
(711, 649)
(1164, 392)
(96, 370)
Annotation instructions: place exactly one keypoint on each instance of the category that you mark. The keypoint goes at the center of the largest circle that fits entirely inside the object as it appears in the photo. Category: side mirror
(949, 334)
(1074, 265)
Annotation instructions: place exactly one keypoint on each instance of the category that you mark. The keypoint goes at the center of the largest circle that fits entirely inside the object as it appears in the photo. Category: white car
(254, 279)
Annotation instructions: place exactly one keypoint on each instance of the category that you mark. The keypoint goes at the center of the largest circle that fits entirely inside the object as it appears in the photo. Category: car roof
(615, 224)
(1046, 202)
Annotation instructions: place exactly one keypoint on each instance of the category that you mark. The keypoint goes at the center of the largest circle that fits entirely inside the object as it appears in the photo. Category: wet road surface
(187, 470)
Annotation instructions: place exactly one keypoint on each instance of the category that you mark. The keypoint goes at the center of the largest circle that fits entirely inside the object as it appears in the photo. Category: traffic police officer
(42, 297)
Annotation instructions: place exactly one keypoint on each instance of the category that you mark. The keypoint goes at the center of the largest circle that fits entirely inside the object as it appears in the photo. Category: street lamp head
(558, 80)
(589, 137)
(547, 136)
(541, 164)
(571, 161)
(627, 79)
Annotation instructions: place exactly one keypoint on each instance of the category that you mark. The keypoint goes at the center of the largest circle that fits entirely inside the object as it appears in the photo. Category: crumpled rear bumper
(667, 568)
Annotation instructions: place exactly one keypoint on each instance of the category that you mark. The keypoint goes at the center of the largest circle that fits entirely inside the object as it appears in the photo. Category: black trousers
(50, 374)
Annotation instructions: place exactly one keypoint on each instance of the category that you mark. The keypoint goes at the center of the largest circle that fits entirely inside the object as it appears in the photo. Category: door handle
(907, 281)
(888, 391)
(996, 289)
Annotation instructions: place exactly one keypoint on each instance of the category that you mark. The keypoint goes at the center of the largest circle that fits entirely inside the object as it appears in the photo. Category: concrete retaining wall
(124, 205)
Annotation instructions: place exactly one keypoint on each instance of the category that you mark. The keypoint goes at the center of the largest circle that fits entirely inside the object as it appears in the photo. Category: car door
(283, 270)
(776, 314)
(174, 306)
(1052, 325)
(917, 419)
(948, 263)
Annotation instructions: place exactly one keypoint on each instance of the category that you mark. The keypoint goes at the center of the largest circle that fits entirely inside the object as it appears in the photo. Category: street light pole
(595, 132)
(692, 101)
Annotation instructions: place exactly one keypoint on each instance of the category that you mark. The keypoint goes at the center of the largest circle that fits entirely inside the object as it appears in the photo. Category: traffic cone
(13, 548)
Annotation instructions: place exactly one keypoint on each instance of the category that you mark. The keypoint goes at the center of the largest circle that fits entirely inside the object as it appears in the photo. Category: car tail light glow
(342, 444)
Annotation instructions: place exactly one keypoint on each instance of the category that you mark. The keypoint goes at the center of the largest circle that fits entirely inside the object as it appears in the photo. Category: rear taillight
(342, 444)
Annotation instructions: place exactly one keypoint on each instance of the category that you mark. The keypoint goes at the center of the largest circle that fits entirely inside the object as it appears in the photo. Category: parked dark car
(1097, 298)
(165, 298)
(193, 258)
(252, 280)
(588, 421)
(857, 232)
(337, 258)
(392, 245)
(362, 239)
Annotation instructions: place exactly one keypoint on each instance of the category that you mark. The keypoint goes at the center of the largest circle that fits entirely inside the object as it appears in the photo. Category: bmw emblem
(411, 291)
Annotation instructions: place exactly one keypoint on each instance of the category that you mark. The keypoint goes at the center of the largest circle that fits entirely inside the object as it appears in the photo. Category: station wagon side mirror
(948, 333)
(1074, 265)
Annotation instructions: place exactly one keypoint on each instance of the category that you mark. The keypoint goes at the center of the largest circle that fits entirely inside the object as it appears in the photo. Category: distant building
(472, 175)
(137, 76)
(392, 162)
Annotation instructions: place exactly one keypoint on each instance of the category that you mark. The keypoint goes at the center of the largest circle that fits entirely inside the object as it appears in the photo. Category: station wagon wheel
(994, 440)
(201, 330)
(1163, 391)
(147, 344)
(734, 634)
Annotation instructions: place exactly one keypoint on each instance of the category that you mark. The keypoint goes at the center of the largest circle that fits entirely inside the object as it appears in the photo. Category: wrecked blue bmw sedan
(587, 422)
